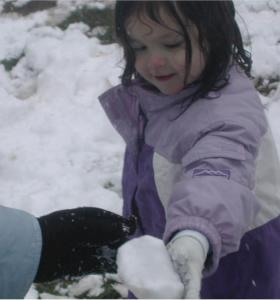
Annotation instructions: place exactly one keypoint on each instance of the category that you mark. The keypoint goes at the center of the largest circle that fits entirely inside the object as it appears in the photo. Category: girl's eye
(174, 45)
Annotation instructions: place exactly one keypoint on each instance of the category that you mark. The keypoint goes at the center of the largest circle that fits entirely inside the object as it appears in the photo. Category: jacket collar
(152, 101)
(122, 106)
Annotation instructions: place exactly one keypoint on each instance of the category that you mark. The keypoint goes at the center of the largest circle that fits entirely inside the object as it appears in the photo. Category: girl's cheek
(138, 65)
(180, 68)
(180, 59)
(138, 59)
(141, 66)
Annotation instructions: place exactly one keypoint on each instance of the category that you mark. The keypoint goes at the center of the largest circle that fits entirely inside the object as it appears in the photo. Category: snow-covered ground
(57, 148)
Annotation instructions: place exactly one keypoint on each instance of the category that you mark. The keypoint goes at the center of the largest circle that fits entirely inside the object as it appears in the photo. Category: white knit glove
(188, 251)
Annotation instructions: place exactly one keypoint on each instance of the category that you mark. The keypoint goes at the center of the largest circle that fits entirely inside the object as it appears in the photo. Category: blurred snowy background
(57, 148)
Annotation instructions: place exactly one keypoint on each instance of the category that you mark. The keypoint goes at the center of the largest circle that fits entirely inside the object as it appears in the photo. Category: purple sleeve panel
(219, 208)
(214, 195)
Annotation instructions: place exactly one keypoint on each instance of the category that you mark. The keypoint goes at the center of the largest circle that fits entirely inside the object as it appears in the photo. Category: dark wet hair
(219, 37)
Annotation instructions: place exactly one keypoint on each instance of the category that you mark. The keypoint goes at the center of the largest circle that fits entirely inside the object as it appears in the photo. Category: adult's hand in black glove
(81, 241)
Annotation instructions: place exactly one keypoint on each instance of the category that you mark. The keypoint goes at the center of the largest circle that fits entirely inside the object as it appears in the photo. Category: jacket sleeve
(20, 250)
(213, 194)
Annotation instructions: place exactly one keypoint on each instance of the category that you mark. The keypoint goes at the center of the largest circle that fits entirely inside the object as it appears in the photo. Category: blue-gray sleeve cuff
(20, 251)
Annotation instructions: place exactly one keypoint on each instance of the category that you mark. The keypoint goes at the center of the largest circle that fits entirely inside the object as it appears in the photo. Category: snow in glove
(81, 241)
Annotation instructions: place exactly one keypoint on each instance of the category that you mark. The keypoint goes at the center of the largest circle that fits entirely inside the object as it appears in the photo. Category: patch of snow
(92, 285)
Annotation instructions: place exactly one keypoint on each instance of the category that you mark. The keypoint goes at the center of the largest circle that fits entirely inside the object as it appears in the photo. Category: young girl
(193, 126)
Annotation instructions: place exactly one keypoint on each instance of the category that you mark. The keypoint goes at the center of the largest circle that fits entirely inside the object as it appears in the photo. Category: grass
(10, 63)
(94, 18)
(266, 85)
(56, 287)
(29, 7)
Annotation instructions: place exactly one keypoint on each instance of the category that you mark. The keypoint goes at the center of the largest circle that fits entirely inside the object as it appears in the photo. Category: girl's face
(160, 53)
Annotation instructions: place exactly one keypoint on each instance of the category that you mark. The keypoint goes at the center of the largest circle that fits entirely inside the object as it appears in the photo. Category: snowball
(145, 268)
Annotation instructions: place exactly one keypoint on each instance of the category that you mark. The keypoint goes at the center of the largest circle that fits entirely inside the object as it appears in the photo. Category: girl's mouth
(165, 77)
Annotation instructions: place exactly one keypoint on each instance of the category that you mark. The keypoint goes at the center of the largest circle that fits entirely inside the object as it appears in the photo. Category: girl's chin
(170, 91)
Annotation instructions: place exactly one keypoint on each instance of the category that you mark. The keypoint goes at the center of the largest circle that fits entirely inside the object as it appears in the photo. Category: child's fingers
(192, 289)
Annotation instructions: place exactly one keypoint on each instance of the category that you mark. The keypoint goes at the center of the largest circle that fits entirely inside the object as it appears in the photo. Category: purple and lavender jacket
(207, 170)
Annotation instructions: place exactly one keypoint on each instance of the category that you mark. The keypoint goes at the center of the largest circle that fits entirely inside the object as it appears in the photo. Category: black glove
(81, 241)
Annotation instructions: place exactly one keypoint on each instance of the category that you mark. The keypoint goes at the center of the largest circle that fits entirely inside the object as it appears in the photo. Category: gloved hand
(188, 251)
(81, 241)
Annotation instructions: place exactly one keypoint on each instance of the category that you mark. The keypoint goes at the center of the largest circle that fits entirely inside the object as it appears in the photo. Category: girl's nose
(157, 61)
